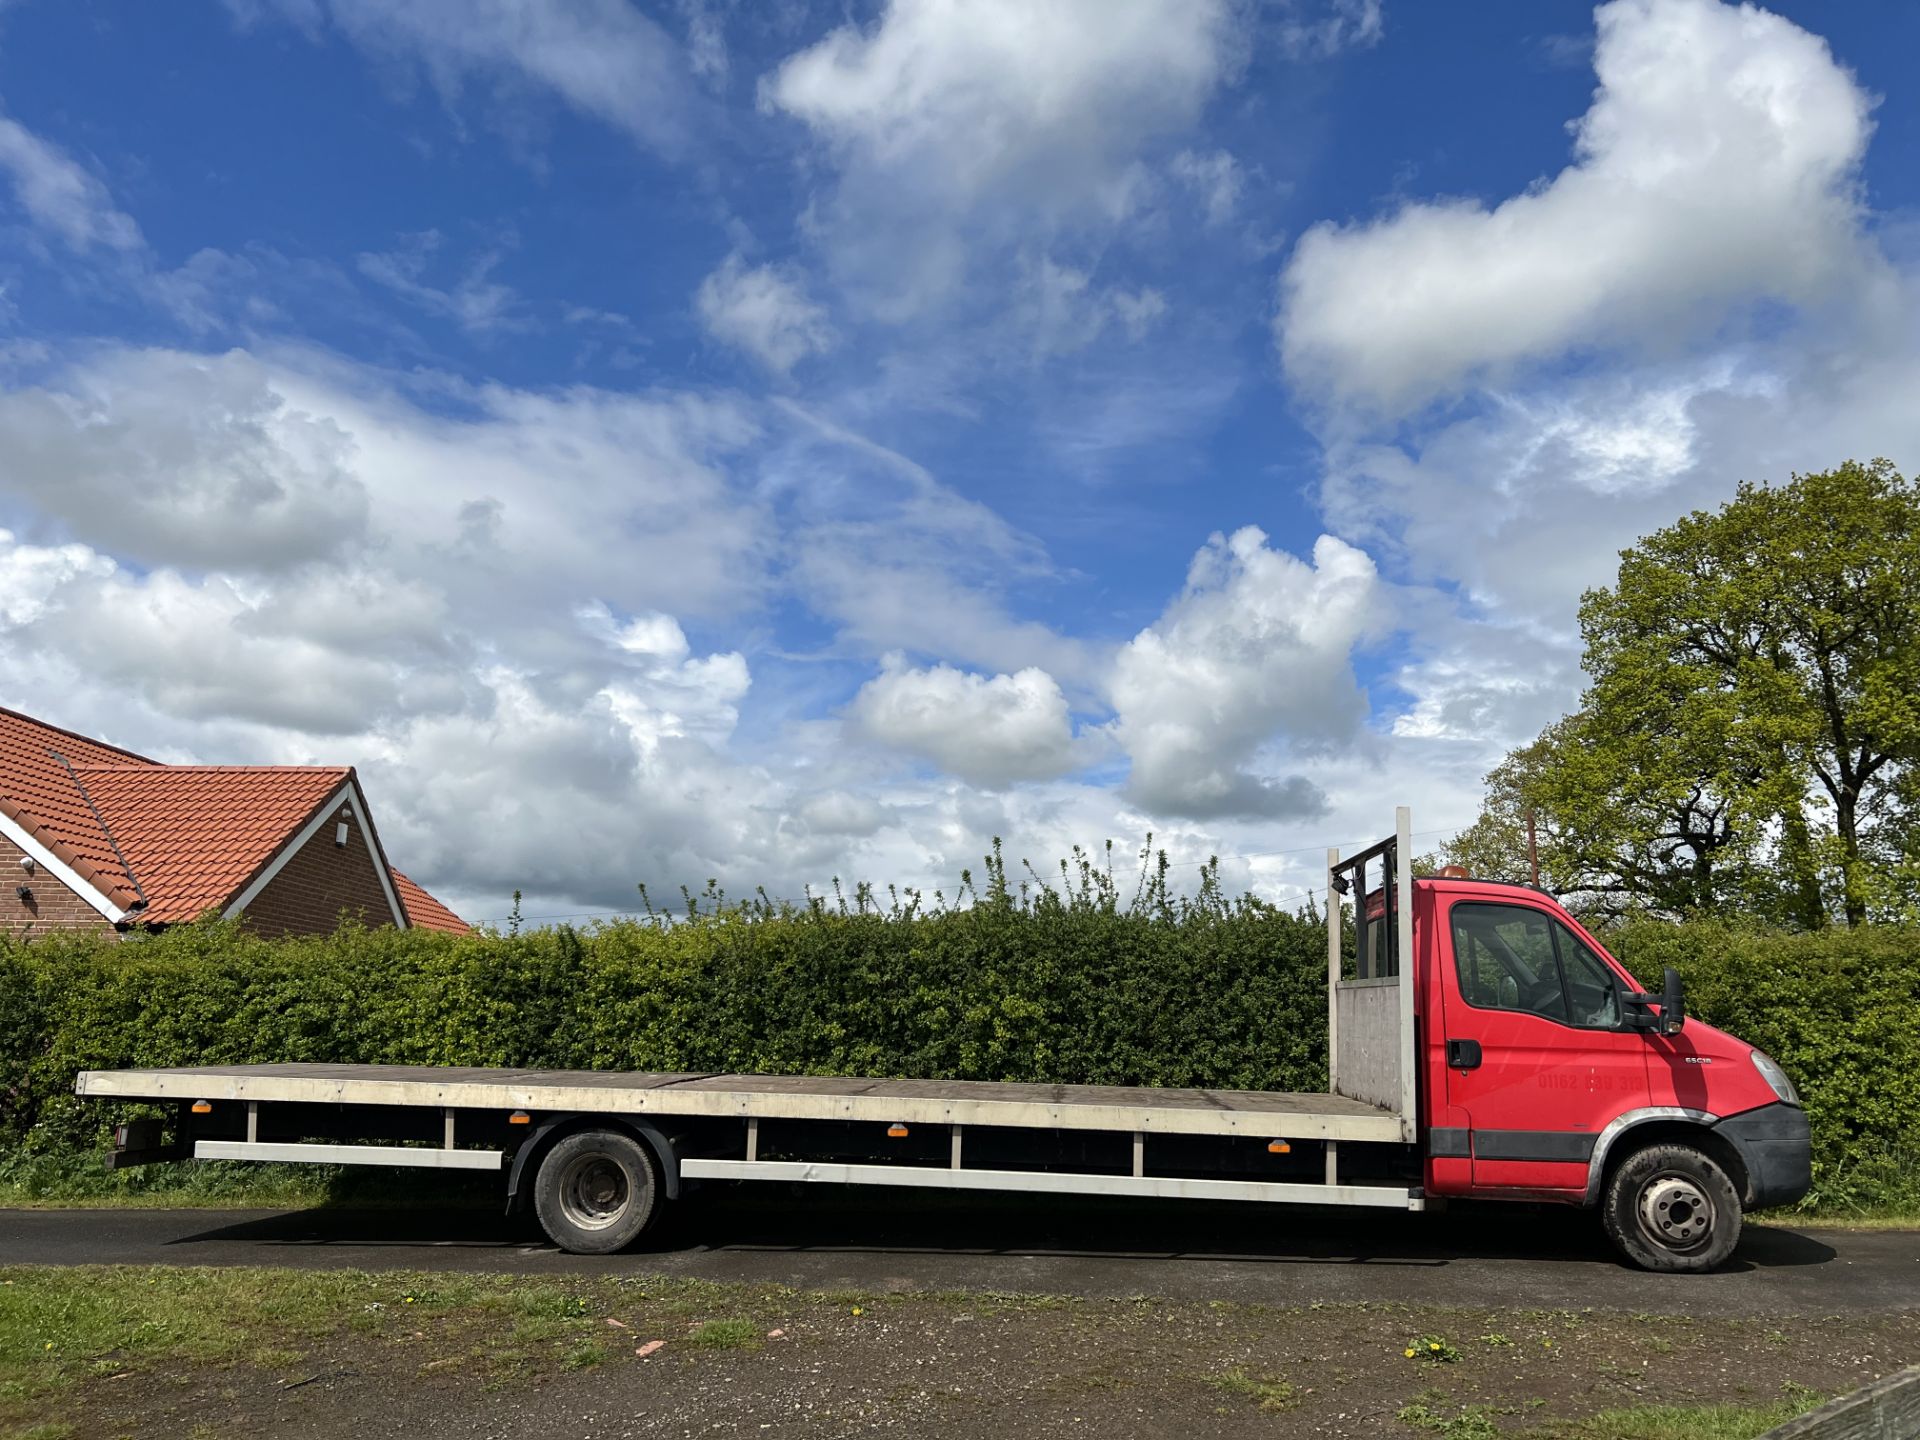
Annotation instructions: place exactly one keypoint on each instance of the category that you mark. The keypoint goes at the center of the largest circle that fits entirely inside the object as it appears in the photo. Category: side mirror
(1673, 1004)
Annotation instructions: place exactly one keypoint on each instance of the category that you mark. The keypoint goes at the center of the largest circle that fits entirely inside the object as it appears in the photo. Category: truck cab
(1546, 1074)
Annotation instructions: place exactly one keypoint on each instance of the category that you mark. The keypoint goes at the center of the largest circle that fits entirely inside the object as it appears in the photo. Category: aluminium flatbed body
(1143, 1141)
(1151, 1109)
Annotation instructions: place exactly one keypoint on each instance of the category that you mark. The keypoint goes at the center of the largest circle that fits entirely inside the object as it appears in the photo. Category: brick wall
(53, 906)
(319, 882)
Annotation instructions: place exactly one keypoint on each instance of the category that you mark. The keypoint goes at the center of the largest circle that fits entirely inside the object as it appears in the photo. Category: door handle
(1463, 1054)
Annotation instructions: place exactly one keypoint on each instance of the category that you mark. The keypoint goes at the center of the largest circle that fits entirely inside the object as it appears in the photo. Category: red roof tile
(194, 835)
(425, 911)
(38, 793)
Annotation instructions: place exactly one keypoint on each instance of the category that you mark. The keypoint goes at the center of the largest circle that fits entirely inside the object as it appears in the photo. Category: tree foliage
(1747, 741)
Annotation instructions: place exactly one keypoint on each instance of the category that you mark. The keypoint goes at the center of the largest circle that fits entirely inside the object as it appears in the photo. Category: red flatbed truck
(1486, 1046)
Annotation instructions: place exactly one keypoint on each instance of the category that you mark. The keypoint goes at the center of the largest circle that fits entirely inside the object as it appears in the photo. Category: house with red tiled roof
(98, 837)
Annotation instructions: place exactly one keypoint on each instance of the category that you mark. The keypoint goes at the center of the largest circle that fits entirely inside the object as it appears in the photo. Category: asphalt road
(879, 1241)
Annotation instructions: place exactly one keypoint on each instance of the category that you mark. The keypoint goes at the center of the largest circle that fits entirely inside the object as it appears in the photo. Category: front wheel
(596, 1190)
(1671, 1207)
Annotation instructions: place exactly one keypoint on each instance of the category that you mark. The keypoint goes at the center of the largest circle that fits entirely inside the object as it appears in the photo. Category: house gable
(118, 840)
(314, 878)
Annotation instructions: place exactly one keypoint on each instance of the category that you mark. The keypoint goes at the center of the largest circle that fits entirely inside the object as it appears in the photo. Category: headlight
(1775, 1077)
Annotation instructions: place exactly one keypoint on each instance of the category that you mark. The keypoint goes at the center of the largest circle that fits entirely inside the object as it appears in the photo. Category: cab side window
(1505, 957)
(1513, 957)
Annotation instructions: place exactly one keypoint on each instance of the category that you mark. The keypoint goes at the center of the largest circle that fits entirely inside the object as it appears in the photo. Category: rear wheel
(596, 1191)
(1671, 1207)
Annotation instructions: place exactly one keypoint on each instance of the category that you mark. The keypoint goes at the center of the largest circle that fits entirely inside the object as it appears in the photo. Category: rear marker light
(1279, 1147)
(203, 1107)
(519, 1117)
(896, 1131)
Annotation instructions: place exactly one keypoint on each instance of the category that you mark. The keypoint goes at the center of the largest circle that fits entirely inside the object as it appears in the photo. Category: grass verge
(138, 1349)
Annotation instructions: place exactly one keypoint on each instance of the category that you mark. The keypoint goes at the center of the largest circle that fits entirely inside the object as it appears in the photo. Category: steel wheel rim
(1676, 1213)
(594, 1191)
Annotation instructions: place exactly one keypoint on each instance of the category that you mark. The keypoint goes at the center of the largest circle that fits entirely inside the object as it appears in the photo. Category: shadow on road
(773, 1219)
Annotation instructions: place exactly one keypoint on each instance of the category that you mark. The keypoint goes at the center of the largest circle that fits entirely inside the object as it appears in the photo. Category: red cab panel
(1527, 1057)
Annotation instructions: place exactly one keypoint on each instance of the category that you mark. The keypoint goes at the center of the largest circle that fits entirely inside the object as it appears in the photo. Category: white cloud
(194, 460)
(1256, 648)
(254, 464)
(477, 303)
(989, 730)
(953, 125)
(1215, 180)
(764, 310)
(59, 196)
(31, 575)
(1066, 313)
(603, 57)
(1311, 31)
(898, 561)
(494, 624)
(1716, 166)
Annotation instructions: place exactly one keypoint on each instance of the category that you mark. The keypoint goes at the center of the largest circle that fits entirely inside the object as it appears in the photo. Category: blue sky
(776, 441)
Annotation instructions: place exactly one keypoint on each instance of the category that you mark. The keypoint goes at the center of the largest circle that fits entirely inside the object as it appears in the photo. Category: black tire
(596, 1191)
(1672, 1208)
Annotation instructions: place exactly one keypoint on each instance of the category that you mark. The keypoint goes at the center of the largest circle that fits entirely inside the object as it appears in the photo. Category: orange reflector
(1279, 1147)
(896, 1131)
(203, 1107)
(519, 1117)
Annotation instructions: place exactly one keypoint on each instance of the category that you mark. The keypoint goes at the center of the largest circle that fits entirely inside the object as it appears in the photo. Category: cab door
(1535, 1053)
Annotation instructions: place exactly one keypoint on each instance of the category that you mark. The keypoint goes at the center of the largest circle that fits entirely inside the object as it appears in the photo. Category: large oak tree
(1748, 737)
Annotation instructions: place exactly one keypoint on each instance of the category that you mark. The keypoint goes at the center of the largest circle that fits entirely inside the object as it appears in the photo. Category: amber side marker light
(1279, 1147)
(896, 1131)
(203, 1107)
(519, 1117)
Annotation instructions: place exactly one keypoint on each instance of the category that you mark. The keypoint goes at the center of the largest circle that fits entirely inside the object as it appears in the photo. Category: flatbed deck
(1143, 1109)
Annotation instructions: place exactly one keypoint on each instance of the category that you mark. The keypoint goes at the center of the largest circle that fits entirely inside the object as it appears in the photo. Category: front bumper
(1776, 1147)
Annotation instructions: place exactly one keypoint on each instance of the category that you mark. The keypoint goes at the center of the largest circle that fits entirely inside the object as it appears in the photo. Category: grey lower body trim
(1449, 1143)
(417, 1157)
(1559, 1146)
(1051, 1183)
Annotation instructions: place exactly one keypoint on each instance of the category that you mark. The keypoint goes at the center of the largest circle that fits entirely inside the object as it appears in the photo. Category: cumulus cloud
(31, 575)
(989, 730)
(764, 310)
(61, 197)
(258, 463)
(604, 58)
(1717, 166)
(192, 460)
(940, 115)
(1255, 649)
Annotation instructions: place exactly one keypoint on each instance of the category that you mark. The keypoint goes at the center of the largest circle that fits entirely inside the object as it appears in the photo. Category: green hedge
(1219, 995)
(1209, 994)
